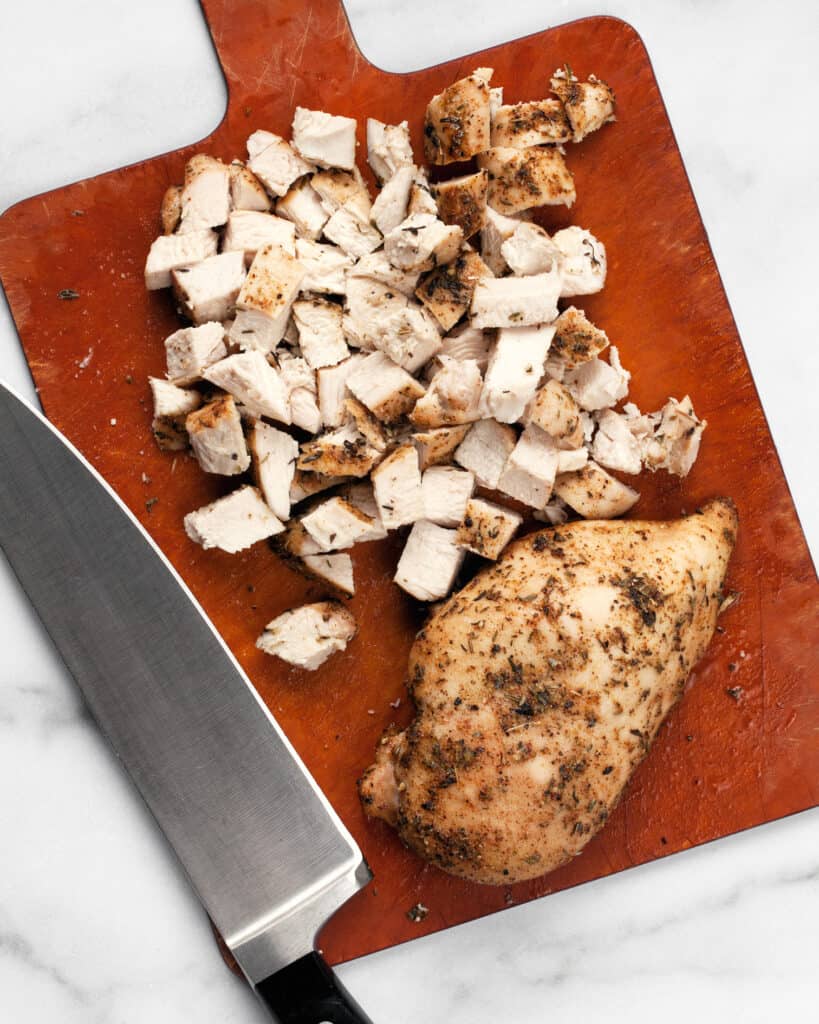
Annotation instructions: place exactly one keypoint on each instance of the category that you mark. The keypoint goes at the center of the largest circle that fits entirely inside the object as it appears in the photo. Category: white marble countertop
(96, 922)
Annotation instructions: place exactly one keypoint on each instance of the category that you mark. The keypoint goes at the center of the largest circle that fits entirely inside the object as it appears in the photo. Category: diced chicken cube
(331, 382)
(252, 381)
(554, 410)
(576, 338)
(190, 350)
(379, 318)
(274, 162)
(457, 123)
(340, 452)
(485, 451)
(306, 484)
(569, 460)
(462, 201)
(208, 290)
(535, 123)
(514, 371)
(397, 487)
(390, 206)
(249, 230)
(172, 405)
(594, 494)
(529, 473)
(320, 335)
(304, 410)
(365, 423)
(429, 562)
(205, 198)
(376, 266)
(350, 230)
(302, 205)
(421, 242)
(467, 342)
(582, 262)
(497, 229)
(170, 210)
(598, 385)
(588, 105)
(522, 178)
(362, 497)
(215, 432)
(307, 636)
(263, 305)
(246, 191)
(615, 446)
(324, 139)
(388, 148)
(335, 571)
(447, 290)
(486, 528)
(300, 382)
(677, 441)
(274, 455)
(338, 188)
(495, 100)
(234, 522)
(446, 492)
(516, 301)
(325, 267)
(453, 396)
(337, 524)
(421, 199)
(438, 445)
(171, 251)
(529, 250)
(385, 388)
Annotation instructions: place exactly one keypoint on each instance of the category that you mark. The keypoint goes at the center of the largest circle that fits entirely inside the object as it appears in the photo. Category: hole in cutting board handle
(308, 992)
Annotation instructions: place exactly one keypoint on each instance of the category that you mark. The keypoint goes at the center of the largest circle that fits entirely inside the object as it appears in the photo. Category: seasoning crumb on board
(417, 913)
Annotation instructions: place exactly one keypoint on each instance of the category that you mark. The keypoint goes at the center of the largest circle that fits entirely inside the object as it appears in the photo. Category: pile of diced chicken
(414, 342)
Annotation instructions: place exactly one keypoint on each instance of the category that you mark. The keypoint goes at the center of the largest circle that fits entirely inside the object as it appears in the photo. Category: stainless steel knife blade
(268, 856)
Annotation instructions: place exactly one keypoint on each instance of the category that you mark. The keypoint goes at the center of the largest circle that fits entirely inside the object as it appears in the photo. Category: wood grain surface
(721, 763)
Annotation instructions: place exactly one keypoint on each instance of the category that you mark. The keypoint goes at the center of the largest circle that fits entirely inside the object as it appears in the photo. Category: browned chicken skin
(540, 687)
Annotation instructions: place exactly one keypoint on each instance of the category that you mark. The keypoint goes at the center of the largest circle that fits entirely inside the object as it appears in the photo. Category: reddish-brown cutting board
(721, 763)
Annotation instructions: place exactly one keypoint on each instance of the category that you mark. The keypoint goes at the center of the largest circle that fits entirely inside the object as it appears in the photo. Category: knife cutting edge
(267, 855)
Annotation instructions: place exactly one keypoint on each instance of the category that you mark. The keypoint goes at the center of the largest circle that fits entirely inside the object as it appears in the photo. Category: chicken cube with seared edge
(172, 405)
(388, 148)
(529, 473)
(486, 528)
(445, 491)
(595, 494)
(217, 440)
(514, 371)
(485, 450)
(265, 300)
(554, 410)
(588, 105)
(274, 162)
(327, 140)
(248, 231)
(462, 201)
(576, 338)
(457, 123)
(534, 123)
(205, 198)
(522, 178)
(171, 251)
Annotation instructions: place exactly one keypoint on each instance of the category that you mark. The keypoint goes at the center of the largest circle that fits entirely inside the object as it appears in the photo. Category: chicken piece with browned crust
(541, 686)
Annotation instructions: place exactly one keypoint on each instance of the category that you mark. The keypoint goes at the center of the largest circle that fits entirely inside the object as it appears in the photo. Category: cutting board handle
(271, 46)
(307, 992)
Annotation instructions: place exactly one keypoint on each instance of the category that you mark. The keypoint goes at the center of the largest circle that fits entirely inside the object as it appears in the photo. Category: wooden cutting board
(722, 762)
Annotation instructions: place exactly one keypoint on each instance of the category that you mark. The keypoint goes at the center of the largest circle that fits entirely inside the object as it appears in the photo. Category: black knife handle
(307, 992)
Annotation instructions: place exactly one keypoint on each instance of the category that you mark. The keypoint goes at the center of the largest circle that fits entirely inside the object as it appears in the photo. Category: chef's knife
(264, 850)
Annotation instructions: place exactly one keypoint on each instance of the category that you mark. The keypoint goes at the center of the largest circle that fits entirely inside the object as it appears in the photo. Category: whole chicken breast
(540, 687)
